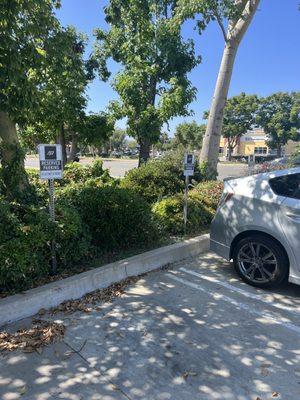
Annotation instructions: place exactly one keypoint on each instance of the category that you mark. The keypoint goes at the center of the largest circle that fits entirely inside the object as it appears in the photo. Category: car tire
(269, 269)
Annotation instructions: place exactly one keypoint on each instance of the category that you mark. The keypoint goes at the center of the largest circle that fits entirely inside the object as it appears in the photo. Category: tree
(25, 26)
(279, 116)
(239, 116)
(117, 140)
(164, 142)
(96, 129)
(234, 18)
(145, 39)
(66, 76)
(189, 135)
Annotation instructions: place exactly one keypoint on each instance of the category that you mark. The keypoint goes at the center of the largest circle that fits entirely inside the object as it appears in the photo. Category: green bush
(169, 213)
(202, 204)
(26, 233)
(117, 218)
(72, 237)
(211, 192)
(76, 173)
(40, 187)
(159, 178)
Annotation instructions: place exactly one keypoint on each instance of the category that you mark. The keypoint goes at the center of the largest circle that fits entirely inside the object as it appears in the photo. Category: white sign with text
(51, 165)
(189, 164)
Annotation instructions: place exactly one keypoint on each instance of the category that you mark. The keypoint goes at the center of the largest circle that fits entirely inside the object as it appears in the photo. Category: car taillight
(225, 198)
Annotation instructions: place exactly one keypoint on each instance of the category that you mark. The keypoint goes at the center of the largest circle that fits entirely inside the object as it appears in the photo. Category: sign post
(251, 163)
(189, 165)
(51, 167)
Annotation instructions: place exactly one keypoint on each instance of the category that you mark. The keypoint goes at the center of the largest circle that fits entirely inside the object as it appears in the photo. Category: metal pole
(185, 206)
(52, 216)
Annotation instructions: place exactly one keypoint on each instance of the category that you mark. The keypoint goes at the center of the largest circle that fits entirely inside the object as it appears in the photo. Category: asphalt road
(191, 332)
(118, 167)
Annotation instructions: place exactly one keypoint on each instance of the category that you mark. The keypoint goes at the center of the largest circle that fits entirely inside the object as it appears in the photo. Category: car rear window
(287, 186)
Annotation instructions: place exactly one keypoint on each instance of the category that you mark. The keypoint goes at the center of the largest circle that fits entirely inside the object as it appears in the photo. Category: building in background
(254, 141)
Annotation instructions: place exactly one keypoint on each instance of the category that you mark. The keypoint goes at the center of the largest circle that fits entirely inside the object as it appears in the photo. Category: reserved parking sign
(51, 166)
(189, 164)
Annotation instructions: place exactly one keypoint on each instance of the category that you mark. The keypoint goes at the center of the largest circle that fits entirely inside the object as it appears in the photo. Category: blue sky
(268, 59)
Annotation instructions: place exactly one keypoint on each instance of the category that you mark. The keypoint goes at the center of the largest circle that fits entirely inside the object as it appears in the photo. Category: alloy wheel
(257, 262)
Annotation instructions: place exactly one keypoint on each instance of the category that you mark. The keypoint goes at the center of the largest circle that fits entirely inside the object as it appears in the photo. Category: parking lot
(118, 167)
(192, 331)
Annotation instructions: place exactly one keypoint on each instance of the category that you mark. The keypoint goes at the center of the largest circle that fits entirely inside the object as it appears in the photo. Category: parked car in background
(257, 225)
(280, 161)
(115, 154)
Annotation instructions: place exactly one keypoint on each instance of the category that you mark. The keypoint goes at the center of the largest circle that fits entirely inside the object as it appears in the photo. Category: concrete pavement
(194, 331)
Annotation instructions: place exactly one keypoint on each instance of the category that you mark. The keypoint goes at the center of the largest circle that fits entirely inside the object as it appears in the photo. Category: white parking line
(241, 291)
(239, 305)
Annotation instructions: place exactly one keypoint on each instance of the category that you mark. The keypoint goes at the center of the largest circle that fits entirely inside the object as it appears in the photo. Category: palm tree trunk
(15, 180)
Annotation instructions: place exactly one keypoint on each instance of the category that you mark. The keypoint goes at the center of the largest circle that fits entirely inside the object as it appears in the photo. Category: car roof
(267, 175)
(257, 185)
(275, 174)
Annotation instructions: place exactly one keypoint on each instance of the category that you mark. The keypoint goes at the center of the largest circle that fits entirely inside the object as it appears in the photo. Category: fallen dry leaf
(101, 295)
(40, 334)
(265, 372)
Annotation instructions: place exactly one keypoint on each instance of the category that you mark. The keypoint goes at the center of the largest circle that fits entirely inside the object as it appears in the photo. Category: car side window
(287, 186)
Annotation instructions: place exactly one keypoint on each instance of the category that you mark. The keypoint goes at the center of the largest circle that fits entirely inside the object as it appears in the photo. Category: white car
(257, 225)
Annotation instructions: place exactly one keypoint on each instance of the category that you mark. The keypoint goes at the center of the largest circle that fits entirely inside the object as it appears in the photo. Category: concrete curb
(23, 305)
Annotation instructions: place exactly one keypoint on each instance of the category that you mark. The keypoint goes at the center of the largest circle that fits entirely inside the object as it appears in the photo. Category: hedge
(202, 205)
(159, 178)
(94, 215)
(26, 233)
(117, 218)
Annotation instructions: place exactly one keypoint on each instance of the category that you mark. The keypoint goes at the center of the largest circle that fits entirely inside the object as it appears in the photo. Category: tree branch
(221, 25)
(238, 29)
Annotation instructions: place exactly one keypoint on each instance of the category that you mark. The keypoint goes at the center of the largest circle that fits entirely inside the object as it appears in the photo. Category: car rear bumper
(220, 249)
(294, 279)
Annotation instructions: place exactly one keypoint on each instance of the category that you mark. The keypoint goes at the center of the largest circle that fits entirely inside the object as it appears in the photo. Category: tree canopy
(189, 135)
(96, 129)
(279, 115)
(26, 28)
(239, 116)
(153, 86)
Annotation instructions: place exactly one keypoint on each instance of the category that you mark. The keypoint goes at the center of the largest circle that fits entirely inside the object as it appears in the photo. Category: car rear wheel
(260, 261)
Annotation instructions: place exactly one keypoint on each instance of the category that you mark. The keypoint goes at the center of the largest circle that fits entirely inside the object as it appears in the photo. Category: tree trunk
(15, 180)
(62, 141)
(144, 153)
(229, 157)
(74, 147)
(144, 142)
(211, 141)
(279, 150)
